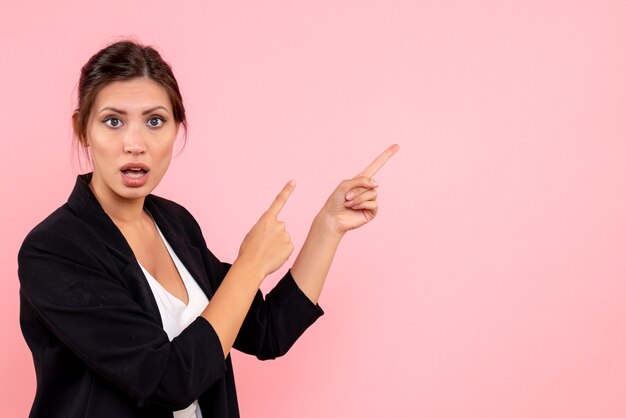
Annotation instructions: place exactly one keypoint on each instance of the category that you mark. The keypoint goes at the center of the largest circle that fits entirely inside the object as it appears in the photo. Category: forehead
(136, 94)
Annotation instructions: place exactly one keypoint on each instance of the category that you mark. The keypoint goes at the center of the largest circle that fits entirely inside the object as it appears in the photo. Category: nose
(134, 142)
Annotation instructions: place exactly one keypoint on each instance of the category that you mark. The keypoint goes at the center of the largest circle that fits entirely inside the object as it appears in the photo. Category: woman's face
(130, 135)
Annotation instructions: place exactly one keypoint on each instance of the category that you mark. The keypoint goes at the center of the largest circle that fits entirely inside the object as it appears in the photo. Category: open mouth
(135, 173)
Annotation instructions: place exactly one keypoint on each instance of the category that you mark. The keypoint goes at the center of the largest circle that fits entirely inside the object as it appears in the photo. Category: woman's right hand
(268, 245)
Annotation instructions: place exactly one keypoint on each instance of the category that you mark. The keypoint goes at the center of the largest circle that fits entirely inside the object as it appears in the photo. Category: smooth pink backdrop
(493, 282)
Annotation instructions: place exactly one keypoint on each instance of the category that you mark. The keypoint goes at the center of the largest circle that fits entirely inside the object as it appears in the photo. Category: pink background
(492, 284)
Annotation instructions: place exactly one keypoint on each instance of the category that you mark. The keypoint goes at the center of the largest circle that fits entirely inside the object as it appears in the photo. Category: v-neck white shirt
(175, 315)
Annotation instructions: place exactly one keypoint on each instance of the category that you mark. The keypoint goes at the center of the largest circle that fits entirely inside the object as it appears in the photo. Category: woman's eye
(155, 121)
(113, 122)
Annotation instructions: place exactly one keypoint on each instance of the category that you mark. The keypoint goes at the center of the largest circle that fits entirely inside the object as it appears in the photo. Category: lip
(128, 166)
(131, 181)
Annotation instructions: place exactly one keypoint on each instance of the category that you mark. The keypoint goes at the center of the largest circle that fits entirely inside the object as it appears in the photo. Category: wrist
(325, 225)
(249, 270)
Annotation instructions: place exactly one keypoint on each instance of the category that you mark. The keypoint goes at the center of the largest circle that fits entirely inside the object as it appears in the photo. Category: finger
(360, 182)
(370, 205)
(282, 197)
(369, 195)
(380, 161)
(357, 191)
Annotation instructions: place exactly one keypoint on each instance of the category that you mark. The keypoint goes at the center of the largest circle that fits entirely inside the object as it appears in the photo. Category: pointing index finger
(377, 164)
(281, 198)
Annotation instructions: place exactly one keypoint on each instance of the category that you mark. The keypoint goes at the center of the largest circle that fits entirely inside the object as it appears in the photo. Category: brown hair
(122, 61)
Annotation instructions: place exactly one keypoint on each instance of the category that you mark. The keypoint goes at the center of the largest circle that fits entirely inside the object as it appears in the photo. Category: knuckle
(362, 180)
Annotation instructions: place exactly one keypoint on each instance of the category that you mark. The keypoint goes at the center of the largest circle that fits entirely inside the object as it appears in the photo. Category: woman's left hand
(353, 203)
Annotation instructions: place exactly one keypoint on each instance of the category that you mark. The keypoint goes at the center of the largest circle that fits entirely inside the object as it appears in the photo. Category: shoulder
(61, 247)
(61, 223)
(66, 238)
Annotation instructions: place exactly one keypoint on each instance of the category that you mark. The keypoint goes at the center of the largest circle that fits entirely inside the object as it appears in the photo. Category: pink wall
(492, 284)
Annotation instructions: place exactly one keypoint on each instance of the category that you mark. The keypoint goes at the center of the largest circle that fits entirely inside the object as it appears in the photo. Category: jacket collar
(84, 204)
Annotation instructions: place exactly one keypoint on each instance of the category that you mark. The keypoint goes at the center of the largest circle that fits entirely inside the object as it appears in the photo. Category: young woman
(126, 311)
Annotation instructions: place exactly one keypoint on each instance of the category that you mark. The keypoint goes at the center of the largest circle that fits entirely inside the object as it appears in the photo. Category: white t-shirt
(175, 315)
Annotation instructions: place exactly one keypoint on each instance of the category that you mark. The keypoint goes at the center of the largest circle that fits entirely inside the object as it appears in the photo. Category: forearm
(231, 302)
(264, 249)
(313, 262)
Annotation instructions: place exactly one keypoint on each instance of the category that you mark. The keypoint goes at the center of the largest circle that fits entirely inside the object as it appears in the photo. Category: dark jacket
(93, 325)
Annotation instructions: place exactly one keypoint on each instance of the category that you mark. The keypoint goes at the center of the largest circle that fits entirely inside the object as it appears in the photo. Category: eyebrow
(123, 112)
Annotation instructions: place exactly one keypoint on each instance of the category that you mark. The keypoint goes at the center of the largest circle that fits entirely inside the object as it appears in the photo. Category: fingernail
(292, 183)
(374, 182)
(350, 203)
(349, 196)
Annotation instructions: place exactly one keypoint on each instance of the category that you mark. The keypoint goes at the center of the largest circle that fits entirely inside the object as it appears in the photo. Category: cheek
(98, 140)
(103, 154)
(98, 152)
(164, 156)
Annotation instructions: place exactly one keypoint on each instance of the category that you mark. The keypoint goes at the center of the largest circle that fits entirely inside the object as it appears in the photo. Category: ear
(76, 127)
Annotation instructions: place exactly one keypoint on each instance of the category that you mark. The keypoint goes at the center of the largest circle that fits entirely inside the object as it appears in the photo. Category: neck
(123, 212)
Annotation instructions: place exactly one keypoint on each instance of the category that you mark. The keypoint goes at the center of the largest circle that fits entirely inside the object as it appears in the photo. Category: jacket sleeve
(274, 323)
(88, 307)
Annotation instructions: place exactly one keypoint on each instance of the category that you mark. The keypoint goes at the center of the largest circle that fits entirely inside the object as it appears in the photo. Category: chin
(135, 192)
